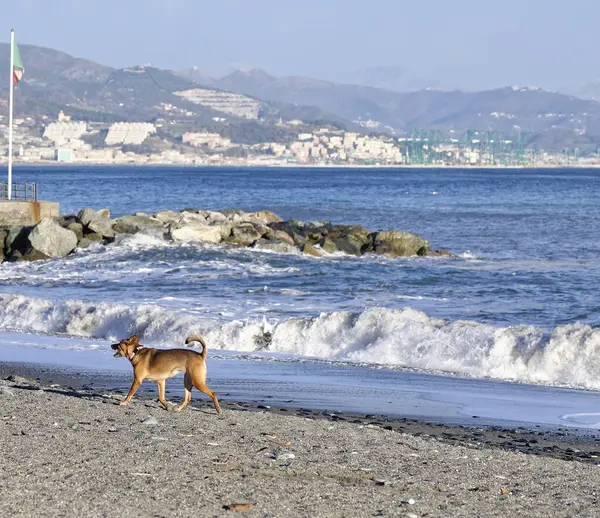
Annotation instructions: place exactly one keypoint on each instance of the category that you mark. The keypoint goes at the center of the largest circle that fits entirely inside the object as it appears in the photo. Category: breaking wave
(568, 355)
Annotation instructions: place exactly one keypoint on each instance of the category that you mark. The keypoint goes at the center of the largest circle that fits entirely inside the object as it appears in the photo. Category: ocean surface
(519, 301)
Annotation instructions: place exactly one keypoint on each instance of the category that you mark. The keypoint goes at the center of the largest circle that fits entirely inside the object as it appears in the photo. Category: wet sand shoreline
(566, 443)
(69, 452)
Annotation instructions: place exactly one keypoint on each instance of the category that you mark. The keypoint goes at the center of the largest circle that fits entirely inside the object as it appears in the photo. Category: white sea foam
(467, 254)
(569, 355)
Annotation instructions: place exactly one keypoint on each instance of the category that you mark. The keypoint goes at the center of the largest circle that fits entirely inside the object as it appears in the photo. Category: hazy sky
(466, 43)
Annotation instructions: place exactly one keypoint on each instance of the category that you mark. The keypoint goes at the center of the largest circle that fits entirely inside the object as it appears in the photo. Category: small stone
(381, 482)
(150, 420)
(5, 391)
(237, 507)
(286, 456)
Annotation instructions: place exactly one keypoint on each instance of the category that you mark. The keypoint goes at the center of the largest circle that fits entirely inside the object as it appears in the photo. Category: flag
(18, 68)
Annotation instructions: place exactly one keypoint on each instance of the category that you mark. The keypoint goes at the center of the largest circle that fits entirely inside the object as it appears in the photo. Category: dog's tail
(198, 338)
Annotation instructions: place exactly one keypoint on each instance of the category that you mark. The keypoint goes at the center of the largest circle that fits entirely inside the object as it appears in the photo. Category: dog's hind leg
(187, 393)
(203, 388)
(161, 394)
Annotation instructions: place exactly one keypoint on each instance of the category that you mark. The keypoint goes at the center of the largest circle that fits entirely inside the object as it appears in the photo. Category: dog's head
(126, 347)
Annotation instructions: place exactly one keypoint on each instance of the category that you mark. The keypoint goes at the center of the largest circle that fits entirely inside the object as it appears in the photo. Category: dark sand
(68, 449)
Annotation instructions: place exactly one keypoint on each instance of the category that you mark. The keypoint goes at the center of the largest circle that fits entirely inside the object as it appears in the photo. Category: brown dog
(160, 364)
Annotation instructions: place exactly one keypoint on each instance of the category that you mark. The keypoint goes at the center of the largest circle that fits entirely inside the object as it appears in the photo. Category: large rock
(29, 255)
(86, 216)
(49, 238)
(264, 217)
(279, 235)
(83, 243)
(94, 237)
(438, 253)
(352, 239)
(168, 216)
(234, 212)
(311, 250)
(329, 246)
(293, 228)
(77, 228)
(245, 234)
(102, 227)
(215, 217)
(193, 218)
(3, 234)
(205, 234)
(135, 224)
(67, 219)
(224, 227)
(397, 243)
(275, 246)
(16, 239)
(33, 255)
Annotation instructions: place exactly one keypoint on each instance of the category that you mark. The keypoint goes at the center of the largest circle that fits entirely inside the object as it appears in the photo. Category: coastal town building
(169, 141)
(233, 104)
(209, 140)
(63, 132)
(129, 133)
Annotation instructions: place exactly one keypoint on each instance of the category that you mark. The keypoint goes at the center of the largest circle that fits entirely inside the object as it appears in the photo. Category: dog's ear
(135, 339)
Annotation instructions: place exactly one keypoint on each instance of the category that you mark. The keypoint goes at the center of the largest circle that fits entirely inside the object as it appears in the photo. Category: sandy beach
(70, 451)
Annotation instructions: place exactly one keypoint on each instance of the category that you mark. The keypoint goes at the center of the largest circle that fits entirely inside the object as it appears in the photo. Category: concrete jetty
(24, 213)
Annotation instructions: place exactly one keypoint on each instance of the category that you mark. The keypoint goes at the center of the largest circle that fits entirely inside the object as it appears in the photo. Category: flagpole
(10, 112)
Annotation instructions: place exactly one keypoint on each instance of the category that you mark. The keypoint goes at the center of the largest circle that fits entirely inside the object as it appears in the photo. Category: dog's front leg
(134, 386)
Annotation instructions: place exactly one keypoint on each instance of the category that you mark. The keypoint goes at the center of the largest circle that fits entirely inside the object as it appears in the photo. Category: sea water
(518, 301)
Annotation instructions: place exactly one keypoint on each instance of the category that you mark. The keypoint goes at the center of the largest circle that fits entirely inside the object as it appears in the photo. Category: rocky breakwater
(58, 237)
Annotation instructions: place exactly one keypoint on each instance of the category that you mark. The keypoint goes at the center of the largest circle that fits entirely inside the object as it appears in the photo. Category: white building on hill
(225, 102)
(129, 133)
(62, 133)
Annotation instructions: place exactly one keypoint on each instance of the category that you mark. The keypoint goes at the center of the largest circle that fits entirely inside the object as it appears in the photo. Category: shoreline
(59, 444)
(566, 443)
(54, 163)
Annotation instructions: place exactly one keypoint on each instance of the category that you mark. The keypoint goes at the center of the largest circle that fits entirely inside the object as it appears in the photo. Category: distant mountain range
(589, 91)
(85, 90)
(89, 91)
(396, 79)
(549, 120)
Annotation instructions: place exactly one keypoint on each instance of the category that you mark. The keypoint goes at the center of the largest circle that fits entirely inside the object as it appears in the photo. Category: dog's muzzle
(115, 347)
